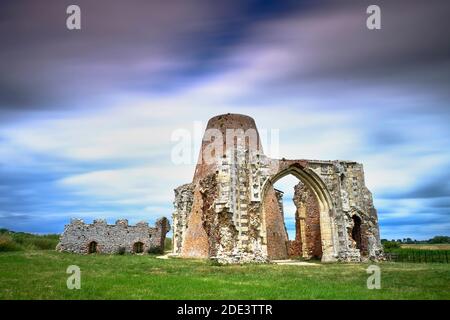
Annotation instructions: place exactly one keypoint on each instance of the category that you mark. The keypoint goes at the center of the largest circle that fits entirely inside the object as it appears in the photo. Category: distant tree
(439, 239)
(391, 245)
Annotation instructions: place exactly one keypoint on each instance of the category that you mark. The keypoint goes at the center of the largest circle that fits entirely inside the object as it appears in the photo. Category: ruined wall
(184, 198)
(109, 239)
(277, 237)
(308, 242)
(350, 196)
(230, 212)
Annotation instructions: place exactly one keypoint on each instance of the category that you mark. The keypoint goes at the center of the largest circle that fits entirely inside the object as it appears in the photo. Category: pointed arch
(327, 211)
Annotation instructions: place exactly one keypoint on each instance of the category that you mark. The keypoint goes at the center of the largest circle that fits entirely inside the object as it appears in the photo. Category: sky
(87, 116)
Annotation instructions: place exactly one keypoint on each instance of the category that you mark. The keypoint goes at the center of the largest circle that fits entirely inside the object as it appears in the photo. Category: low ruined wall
(109, 239)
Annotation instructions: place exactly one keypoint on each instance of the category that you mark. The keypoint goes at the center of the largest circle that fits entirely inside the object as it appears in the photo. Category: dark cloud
(386, 138)
(36, 224)
(331, 52)
(151, 46)
(156, 47)
(433, 189)
(121, 44)
(416, 220)
(441, 203)
(147, 46)
(435, 186)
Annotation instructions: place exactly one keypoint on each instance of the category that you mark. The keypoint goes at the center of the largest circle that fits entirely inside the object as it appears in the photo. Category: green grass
(18, 241)
(419, 255)
(42, 275)
(426, 246)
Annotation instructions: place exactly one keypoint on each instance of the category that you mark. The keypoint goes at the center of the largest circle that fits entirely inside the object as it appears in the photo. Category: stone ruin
(231, 213)
(100, 237)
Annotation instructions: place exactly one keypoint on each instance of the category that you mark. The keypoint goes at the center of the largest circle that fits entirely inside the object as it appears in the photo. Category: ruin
(231, 212)
(100, 237)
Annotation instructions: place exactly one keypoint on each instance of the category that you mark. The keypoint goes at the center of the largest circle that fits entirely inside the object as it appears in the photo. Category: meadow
(21, 241)
(41, 274)
(426, 246)
(31, 269)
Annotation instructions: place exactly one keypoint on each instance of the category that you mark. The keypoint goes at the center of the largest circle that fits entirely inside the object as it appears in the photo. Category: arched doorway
(299, 210)
(138, 247)
(92, 247)
(271, 227)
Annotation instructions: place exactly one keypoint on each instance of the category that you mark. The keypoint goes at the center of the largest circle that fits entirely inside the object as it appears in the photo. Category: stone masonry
(230, 211)
(100, 237)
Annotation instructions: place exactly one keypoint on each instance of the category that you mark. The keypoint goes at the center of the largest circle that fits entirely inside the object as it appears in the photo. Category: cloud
(142, 183)
(433, 184)
(139, 45)
(86, 118)
(329, 49)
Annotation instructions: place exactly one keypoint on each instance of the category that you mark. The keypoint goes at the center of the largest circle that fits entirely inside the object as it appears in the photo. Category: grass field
(41, 274)
(439, 246)
(21, 241)
(419, 253)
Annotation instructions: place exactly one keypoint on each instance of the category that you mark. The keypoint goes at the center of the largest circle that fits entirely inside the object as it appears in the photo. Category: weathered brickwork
(231, 212)
(100, 237)
(308, 242)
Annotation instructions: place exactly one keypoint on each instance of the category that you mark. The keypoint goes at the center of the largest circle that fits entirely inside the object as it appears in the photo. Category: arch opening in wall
(356, 231)
(138, 247)
(299, 214)
(273, 237)
(92, 247)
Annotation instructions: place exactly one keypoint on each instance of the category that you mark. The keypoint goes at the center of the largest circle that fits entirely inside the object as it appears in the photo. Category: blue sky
(86, 117)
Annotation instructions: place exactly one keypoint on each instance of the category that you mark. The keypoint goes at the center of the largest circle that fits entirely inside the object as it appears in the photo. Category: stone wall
(184, 198)
(231, 212)
(120, 237)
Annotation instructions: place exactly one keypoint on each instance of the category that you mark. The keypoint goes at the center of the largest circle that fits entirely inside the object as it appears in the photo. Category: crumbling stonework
(184, 197)
(231, 212)
(308, 242)
(100, 237)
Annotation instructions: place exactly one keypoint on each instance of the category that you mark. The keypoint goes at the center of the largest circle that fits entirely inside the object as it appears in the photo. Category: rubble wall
(110, 239)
